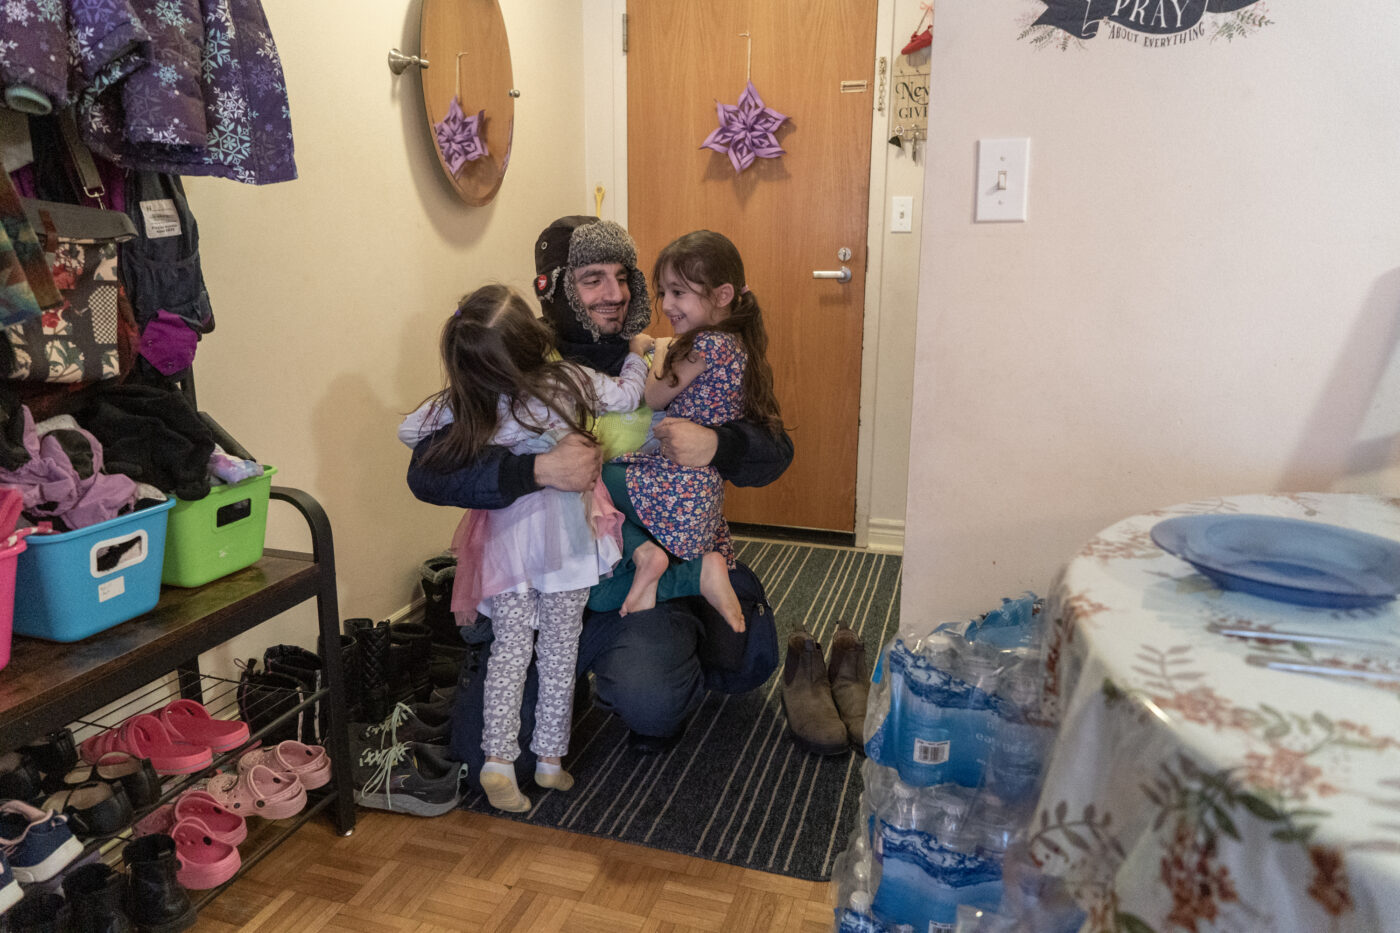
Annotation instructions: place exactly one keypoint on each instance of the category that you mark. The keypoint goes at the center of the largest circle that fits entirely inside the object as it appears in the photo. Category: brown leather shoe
(811, 712)
(849, 676)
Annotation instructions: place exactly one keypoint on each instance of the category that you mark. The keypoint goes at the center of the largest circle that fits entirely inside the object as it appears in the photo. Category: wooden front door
(788, 216)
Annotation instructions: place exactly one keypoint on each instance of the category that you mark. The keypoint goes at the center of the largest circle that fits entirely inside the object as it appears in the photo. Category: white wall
(1203, 301)
(329, 291)
(891, 298)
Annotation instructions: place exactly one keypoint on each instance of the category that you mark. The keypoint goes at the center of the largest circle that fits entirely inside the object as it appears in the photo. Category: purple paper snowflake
(459, 137)
(746, 131)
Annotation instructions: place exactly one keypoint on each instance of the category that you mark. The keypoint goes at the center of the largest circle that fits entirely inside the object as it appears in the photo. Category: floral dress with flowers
(681, 506)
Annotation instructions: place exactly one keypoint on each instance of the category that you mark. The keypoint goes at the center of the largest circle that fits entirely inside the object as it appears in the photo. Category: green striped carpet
(736, 789)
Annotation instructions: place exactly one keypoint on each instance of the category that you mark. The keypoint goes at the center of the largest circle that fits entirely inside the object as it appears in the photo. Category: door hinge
(624, 33)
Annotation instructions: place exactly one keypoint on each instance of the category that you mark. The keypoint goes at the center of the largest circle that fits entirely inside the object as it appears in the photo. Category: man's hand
(686, 442)
(572, 465)
(658, 359)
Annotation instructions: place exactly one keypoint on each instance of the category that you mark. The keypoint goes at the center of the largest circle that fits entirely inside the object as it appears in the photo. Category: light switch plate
(902, 214)
(1002, 174)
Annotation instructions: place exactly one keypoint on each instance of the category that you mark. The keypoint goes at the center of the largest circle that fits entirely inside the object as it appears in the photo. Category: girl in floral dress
(715, 370)
(535, 559)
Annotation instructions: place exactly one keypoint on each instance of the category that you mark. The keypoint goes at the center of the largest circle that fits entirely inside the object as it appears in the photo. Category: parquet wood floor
(471, 872)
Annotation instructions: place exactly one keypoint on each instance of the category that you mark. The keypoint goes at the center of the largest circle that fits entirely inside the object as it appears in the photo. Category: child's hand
(662, 345)
(641, 343)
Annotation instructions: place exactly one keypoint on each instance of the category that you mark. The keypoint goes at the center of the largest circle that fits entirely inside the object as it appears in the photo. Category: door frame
(605, 163)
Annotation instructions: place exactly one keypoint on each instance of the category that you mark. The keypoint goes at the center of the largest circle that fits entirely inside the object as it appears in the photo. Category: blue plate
(1286, 559)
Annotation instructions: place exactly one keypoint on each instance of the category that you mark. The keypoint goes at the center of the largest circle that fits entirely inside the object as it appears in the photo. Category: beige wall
(329, 291)
(1203, 301)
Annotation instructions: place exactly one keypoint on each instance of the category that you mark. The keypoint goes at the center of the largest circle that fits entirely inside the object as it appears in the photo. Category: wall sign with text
(1147, 23)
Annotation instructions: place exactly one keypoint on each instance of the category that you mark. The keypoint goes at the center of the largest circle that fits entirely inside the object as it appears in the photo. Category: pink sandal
(144, 737)
(309, 763)
(190, 721)
(205, 862)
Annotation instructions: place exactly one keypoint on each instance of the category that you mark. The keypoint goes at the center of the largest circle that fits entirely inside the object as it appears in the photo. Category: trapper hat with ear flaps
(571, 243)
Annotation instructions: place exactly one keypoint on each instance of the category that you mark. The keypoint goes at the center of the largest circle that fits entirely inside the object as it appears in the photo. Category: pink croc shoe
(223, 823)
(259, 791)
(145, 737)
(205, 862)
(309, 763)
(189, 721)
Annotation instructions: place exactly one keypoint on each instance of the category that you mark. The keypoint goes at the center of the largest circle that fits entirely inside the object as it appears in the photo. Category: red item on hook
(919, 40)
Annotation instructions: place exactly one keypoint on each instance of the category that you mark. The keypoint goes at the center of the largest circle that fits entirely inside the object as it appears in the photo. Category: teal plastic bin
(214, 536)
(72, 585)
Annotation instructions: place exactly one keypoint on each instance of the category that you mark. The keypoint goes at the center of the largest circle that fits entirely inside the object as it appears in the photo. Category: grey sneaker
(421, 722)
(409, 777)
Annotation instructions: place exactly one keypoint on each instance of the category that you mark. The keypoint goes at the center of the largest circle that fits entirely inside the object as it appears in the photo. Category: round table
(1191, 785)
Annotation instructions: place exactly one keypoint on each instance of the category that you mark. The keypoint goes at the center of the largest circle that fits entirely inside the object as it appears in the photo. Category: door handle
(841, 275)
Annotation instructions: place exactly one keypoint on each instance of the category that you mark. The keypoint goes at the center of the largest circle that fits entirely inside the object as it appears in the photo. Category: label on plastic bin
(935, 927)
(111, 589)
(931, 753)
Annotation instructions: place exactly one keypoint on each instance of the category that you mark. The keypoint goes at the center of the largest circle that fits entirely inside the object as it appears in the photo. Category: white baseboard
(412, 612)
(885, 534)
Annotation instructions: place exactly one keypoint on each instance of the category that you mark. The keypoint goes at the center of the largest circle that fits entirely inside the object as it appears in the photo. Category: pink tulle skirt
(550, 541)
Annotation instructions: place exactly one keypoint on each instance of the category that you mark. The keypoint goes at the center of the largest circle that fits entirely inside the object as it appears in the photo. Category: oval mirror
(468, 53)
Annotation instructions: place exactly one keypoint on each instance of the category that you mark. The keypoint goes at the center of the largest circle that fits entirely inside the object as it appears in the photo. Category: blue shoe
(36, 842)
(9, 885)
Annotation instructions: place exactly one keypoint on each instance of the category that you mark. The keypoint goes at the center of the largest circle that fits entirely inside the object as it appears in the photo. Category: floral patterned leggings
(515, 618)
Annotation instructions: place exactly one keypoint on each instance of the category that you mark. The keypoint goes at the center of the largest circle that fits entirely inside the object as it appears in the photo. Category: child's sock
(552, 776)
(498, 781)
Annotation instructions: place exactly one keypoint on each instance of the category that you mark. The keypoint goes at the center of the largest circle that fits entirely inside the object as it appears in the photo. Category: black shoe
(652, 744)
(20, 778)
(55, 753)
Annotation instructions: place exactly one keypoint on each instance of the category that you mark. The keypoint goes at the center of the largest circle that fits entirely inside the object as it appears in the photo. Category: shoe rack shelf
(48, 685)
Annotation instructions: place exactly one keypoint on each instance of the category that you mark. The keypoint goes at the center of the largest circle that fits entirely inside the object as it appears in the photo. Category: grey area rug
(736, 789)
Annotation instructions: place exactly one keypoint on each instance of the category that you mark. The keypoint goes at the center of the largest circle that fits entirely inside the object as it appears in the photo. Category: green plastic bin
(212, 537)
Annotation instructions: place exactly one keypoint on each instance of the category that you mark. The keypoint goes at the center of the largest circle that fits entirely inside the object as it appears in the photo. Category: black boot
(304, 667)
(350, 672)
(373, 688)
(436, 576)
(94, 894)
(39, 911)
(410, 657)
(154, 899)
(263, 696)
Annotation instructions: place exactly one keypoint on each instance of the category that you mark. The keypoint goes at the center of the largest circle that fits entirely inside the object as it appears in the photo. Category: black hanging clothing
(153, 436)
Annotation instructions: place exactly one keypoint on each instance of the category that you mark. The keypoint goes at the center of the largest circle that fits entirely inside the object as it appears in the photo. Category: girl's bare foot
(650, 562)
(718, 591)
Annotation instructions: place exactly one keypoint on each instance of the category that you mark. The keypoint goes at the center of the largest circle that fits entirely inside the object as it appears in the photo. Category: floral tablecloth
(1192, 790)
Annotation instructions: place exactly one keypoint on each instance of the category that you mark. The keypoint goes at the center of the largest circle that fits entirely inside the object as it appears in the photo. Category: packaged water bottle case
(956, 750)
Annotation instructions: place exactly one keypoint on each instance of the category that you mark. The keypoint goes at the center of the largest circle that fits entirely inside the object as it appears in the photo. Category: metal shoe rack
(48, 686)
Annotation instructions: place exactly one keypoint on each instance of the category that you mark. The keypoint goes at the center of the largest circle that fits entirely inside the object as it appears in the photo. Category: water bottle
(1019, 745)
(901, 811)
(856, 916)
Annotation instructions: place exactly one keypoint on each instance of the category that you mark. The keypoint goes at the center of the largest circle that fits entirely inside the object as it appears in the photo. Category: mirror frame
(476, 28)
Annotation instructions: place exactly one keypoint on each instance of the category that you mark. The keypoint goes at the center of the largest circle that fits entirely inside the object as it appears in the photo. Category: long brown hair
(493, 346)
(705, 260)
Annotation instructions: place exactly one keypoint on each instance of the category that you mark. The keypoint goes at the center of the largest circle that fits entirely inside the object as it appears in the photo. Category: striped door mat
(736, 789)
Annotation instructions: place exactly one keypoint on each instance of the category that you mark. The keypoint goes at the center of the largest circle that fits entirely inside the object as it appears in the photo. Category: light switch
(901, 215)
(1002, 173)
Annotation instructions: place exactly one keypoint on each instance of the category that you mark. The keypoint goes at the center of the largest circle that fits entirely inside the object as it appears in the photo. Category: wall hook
(398, 61)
